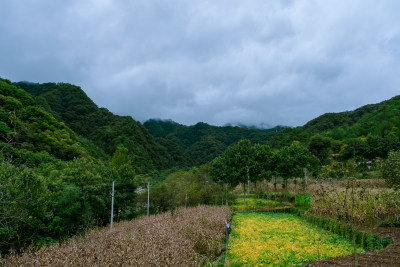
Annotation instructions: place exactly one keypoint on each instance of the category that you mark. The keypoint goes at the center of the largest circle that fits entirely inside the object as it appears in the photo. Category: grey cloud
(274, 62)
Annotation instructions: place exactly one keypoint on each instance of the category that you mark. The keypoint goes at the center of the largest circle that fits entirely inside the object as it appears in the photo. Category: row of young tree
(245, 162)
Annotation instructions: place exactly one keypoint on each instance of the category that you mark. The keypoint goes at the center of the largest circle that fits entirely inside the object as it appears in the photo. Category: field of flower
(277, 239)
(252, 204)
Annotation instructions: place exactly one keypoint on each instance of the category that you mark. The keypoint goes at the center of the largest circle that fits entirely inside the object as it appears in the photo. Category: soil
(385, 257)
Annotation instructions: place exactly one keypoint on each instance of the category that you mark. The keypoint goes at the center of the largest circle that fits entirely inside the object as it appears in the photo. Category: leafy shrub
(303, 200)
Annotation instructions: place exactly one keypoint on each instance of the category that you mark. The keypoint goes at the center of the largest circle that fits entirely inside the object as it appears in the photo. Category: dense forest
(164, 144)
(70, 104)
(363, 134)
(203, 142)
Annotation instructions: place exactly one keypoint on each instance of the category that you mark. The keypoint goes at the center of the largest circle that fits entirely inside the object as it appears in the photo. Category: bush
(303, 200)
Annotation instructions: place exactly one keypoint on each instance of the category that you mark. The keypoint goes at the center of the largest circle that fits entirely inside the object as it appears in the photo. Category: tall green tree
(120, 157)
(390, 169)
(264, 162)
(291, 161)
(240, 159)
(319, 145)
(220, 171)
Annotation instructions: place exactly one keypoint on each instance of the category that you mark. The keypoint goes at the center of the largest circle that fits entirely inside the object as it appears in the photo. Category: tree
(390, 169)
(120, 157)
(219, 170)
(354, 147)
(263, 159)
(291, 161)
(240, 159)
(24, 206)
(236, 165)
(319, 145)
(264, 164)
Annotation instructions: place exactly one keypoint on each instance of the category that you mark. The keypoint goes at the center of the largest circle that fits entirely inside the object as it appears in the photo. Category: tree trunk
(255, 185)
(285, 192)
(244, 192)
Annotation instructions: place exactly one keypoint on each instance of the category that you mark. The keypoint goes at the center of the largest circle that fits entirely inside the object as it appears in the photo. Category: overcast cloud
(221, 61)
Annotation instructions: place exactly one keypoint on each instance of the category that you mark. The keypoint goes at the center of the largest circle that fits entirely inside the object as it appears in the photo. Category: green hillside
(203, 142)
(106, 130)
(26, 128)
(367, 132)
(52, 185)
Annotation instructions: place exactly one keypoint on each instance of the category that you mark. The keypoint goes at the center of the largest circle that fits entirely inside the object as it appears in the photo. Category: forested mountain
(203, 142)
(368, 132)
(106, 130)
(25, 128)
(52, 185)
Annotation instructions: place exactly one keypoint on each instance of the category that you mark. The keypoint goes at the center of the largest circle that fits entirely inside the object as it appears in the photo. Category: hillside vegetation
(203, 142)
(27, 127)
(106, 130)
(55, 183)
(365, 133)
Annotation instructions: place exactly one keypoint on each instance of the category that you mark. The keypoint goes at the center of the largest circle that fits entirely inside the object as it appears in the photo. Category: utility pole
(185, 200)
(227, 211)
(148, 198)
(112, 206)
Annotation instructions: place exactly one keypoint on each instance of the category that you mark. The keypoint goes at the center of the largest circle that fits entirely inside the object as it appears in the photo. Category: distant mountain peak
(260, 126)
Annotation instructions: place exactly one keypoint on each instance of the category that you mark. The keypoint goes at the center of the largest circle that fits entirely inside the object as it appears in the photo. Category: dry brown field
(185, 237)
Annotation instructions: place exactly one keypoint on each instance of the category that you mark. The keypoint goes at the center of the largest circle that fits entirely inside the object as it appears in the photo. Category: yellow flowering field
(278, 239)
(262, 204)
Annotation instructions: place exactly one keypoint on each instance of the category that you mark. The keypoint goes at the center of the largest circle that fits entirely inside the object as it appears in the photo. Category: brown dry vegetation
(182, 238)
(372, 203)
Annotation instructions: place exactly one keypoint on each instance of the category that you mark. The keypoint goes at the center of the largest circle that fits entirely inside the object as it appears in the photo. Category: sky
(253, 62)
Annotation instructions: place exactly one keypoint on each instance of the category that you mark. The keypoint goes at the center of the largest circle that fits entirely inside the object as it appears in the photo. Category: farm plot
(188, 237)
(277, 239)
(258, 204)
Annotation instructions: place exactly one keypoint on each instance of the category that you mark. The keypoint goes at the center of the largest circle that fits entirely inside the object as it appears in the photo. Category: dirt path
(386, 257)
